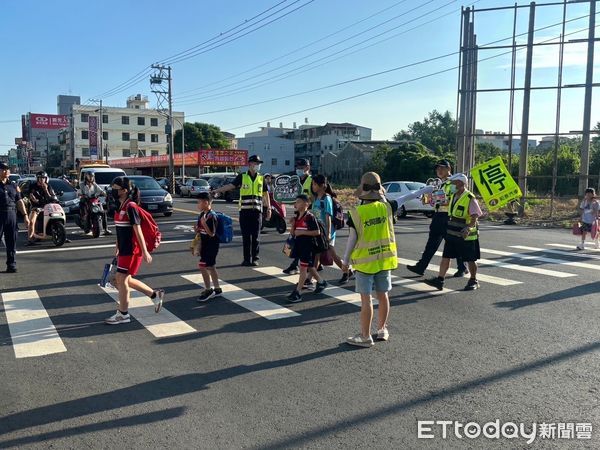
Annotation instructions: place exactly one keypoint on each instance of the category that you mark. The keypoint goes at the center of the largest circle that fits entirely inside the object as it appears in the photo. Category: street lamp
(182, 149)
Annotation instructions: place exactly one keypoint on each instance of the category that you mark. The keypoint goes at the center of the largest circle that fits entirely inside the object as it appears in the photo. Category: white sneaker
(118, 319)
(383, 334)
(596, 244)
(581, 246)
(360, 341)
(158, 300)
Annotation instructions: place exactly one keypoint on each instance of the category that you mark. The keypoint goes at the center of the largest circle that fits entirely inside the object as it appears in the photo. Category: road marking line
(196, 213)
(572, 247)
(573, 253)
(31, 330)
(247, 300)
(529, 269)
(541, 258)
(90, 247)
(481, 277)
(163, 324)
(341, 294)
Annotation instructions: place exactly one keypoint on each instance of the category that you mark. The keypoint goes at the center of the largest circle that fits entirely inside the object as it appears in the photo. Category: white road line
(526, 256)
(341, 294)
(574, 253)
(572, 247)
(31, 330)
(163, 324)
(400, 227)
(481, 277)
(90, 247)
(247, 300)
(528, 269)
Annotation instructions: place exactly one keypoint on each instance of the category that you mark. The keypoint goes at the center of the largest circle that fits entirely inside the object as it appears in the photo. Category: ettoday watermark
(432, 429)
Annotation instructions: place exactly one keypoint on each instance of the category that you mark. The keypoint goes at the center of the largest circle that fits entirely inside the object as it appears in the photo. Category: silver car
(193, 187)
(395, 189)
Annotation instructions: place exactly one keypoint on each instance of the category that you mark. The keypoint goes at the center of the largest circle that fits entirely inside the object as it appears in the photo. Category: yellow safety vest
(251, 192)
(459, 217)
(375, 249)
(307, 187)
(443, 207)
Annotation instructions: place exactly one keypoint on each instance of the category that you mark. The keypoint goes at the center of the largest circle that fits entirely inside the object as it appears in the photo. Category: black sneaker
(308, 284)
(218, 292)
(415, 269)
(436, 282)
(472, 285)
(320, 268)
(11, 270)
(292, 270)
(460, 273)
(295, 297)
(246, 264)
(107, 232)
(346, 277)
(254, 264)
(320, 287)
(206, 295)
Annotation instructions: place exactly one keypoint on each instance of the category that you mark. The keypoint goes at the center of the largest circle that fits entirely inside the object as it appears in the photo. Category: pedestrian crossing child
(206, 227)
(589, 215)
(304, 229)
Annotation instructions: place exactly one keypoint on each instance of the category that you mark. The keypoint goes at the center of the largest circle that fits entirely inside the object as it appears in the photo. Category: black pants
(83, 204)
(8, 229)
(250, 224)
(437, 233)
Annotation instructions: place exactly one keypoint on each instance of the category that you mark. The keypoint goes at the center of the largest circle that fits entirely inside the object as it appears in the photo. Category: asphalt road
(252, 371)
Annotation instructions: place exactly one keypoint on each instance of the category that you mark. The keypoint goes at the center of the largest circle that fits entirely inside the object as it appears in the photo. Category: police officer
(439, 223)
(253, 197)
(10, 200)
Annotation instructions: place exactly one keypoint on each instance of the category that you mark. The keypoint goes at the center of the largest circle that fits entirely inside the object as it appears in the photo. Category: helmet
(42, 174)
(90, 176)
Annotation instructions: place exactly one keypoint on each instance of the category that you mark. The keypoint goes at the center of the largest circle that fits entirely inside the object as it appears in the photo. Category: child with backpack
(133, 246)
(327, 209)
(589, 215)
(304, 229)
(207, 227)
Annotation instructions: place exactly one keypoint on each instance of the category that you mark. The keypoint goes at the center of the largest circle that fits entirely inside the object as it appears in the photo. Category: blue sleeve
(329, 205)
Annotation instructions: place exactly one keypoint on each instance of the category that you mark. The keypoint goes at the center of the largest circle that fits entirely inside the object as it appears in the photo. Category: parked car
(395, 189)
(193, 187)
(154, 198)
(218, 181)
(67, 195)
(14, 177)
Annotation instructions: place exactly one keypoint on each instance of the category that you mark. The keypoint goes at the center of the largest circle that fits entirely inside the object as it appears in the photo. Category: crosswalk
(33, 333)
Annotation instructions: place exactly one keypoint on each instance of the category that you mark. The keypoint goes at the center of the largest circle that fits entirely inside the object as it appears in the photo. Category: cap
(459, 177)
(302, 162)
(203, 196)
(370, 187)
(254, 159)
(3, 166)
(303, 197)
(443, 163)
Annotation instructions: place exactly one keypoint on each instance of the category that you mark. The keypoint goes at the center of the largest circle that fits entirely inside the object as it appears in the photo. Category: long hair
(133, 192)
(321, 180)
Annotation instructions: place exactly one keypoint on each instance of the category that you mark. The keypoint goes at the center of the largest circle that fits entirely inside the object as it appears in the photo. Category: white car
(395, 189)
(193, 187)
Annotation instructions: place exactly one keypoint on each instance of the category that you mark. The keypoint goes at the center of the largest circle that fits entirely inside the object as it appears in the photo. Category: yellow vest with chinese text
(251, 192)
(458, 216)
(307, 187)
(375, 249)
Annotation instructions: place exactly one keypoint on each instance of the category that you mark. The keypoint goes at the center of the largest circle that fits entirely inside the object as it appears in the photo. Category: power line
(372, 91)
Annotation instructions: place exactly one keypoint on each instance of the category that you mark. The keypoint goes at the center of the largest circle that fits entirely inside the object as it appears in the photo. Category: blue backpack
(224, 227)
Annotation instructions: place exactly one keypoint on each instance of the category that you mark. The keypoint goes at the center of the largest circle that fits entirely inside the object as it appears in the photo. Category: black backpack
(320, 242)
(338, 215)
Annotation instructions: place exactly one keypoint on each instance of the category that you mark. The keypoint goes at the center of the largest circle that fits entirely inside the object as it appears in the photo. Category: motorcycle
(277, 220)
(50, 223)
(92, 217)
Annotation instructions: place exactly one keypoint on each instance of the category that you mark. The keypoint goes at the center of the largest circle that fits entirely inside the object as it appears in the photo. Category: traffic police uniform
(437, 233)
(456, 246)
(9, 196)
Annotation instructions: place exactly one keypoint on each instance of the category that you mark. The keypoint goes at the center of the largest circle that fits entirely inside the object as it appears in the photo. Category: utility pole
(101, 146)
(165, 103)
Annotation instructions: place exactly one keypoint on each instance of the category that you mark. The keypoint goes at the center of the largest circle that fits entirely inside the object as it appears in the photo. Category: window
(414, 186)
(85, 117)
(141, 121)
(267, 146)
(126, 152)
(124, 120)
(125, 136)
(393, 187)
(273, 161)
(104, 118)
(142, 152)
(287, 162)
(85, 151)
(142, 137)
(84, 134)
(154, 152)
(154, 138)
(105, 135)
(153, 122)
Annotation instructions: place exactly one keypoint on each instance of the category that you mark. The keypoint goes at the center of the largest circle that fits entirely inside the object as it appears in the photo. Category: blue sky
(89, 48)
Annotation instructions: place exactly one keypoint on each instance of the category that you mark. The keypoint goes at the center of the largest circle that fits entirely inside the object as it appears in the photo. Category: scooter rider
(40, 195)
(91, 189)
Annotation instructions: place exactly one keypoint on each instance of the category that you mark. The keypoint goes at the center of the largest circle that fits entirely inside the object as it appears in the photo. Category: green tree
(379, 159)
(200, 135)
(406, 162)
(484, 151)
(436, 132)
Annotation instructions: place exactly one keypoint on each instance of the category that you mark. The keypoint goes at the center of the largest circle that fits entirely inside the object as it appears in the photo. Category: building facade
(273, 145)
(499, 140)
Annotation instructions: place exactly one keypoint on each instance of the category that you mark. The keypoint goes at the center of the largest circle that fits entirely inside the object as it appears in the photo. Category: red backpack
(150, 230)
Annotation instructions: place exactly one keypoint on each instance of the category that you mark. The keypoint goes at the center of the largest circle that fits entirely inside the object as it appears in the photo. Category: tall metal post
(165, 96)
(511, 112)
(171, 140)
(462, 125)
(526, 102)
(101, 133)
(587, 104)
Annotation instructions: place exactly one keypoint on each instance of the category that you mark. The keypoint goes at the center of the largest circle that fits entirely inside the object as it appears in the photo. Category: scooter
(92, 218)
(277, 220)
(50, 223)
